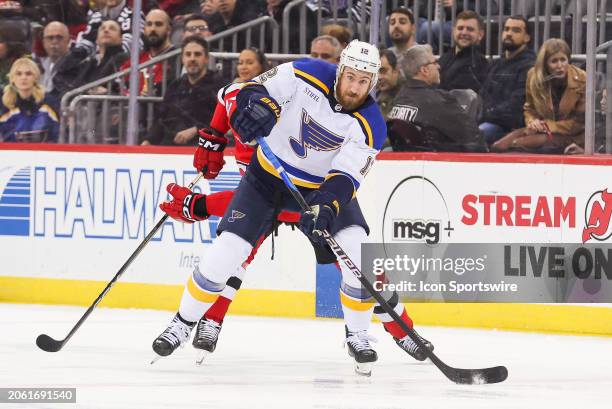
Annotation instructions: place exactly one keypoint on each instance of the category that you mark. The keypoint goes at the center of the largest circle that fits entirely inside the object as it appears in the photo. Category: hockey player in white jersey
(326, 131)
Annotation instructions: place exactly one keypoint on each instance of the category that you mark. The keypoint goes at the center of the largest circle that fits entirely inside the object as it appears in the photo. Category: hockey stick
(46, 343)
(457, 375)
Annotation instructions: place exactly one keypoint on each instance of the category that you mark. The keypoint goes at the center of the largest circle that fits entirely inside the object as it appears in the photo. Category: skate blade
(201, 356)
(156, 358)
(363, 368)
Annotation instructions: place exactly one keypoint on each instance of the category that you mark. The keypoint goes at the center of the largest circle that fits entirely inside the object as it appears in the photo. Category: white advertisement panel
(79, 215)
(475, 202)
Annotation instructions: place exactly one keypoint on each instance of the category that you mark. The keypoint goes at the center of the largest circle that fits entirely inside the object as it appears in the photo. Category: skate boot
(412, 348)
(175, 335)
(206, 337)
(359, 348)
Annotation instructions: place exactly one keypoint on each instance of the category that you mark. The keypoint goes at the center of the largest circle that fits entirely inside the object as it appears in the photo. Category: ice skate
(205, 339)
(175, 335)
(359, 348)
(412, 348)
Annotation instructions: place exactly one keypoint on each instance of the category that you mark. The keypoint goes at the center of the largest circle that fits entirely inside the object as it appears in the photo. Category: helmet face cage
(360, 56)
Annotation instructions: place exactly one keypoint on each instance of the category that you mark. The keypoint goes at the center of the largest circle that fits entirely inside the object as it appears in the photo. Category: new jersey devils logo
(597, 216)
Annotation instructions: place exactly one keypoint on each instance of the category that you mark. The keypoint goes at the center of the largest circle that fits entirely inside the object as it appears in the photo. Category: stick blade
(495, 374)
(48, 344)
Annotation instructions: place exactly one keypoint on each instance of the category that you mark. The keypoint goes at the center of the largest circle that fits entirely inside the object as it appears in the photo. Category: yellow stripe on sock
(199, 294)
(354, 304)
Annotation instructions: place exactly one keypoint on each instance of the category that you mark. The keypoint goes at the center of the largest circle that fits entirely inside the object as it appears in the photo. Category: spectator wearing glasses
(196, 25)
(426, 117)
(327, 48)
(27, 115)
(56, 43)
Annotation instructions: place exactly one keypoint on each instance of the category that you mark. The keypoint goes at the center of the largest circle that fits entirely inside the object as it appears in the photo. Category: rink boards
(70, 216)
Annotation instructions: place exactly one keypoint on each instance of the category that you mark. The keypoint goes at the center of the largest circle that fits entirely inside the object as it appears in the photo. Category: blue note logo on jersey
(314, 136)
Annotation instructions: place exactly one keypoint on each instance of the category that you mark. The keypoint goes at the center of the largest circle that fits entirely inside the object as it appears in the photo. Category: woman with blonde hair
(554, 104)
(27, 115)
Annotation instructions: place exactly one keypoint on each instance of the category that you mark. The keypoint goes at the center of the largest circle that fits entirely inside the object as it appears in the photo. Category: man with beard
(401, 31)
(503, 93)
(189, 101)
(157, 41)
(465, 67)
(340, 131)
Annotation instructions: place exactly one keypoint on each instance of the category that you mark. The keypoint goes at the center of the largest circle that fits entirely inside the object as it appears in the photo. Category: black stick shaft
(124, 267)
(492, 375)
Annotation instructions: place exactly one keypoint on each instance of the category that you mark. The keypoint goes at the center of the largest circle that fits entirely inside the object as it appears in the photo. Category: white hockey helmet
(360, 56)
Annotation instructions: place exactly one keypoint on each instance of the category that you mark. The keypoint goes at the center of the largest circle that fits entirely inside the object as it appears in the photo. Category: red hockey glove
(208, 157)
(185, 206)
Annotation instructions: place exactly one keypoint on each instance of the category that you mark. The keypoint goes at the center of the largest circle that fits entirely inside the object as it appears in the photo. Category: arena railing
(102, 118)
(221, 42)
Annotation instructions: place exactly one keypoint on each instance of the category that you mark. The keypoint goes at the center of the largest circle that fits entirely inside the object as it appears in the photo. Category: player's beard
(350, 101)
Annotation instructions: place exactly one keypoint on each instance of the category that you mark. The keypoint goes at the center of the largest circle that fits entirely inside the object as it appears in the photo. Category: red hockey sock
(393, 327)
(216, 203)
(218, 310)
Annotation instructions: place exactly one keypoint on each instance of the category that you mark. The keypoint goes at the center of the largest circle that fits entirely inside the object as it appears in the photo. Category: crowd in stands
(523, 101)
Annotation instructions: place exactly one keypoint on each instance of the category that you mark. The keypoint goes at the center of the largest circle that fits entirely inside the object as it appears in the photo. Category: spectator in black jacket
(231, 13)
(435, 119)
(441, 14)
(503, 93)
(189, 101)
(79, 68)
(465, 67)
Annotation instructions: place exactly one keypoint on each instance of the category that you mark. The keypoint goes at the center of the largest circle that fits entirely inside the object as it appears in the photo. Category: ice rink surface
(285, 363)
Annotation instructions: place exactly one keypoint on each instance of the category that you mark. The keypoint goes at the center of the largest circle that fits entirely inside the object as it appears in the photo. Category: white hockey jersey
(315, 137)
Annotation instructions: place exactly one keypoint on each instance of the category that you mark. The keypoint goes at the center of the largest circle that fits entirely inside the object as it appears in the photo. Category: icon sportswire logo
(98, 203)
(15, 204)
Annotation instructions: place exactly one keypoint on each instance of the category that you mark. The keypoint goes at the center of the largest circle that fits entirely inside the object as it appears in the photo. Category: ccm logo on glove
(208, 157)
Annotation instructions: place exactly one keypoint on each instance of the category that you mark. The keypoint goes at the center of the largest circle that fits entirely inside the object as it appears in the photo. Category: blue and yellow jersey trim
(373, 125)
(297, 176)
(50, 111)
(317, 73)
(8, 114)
